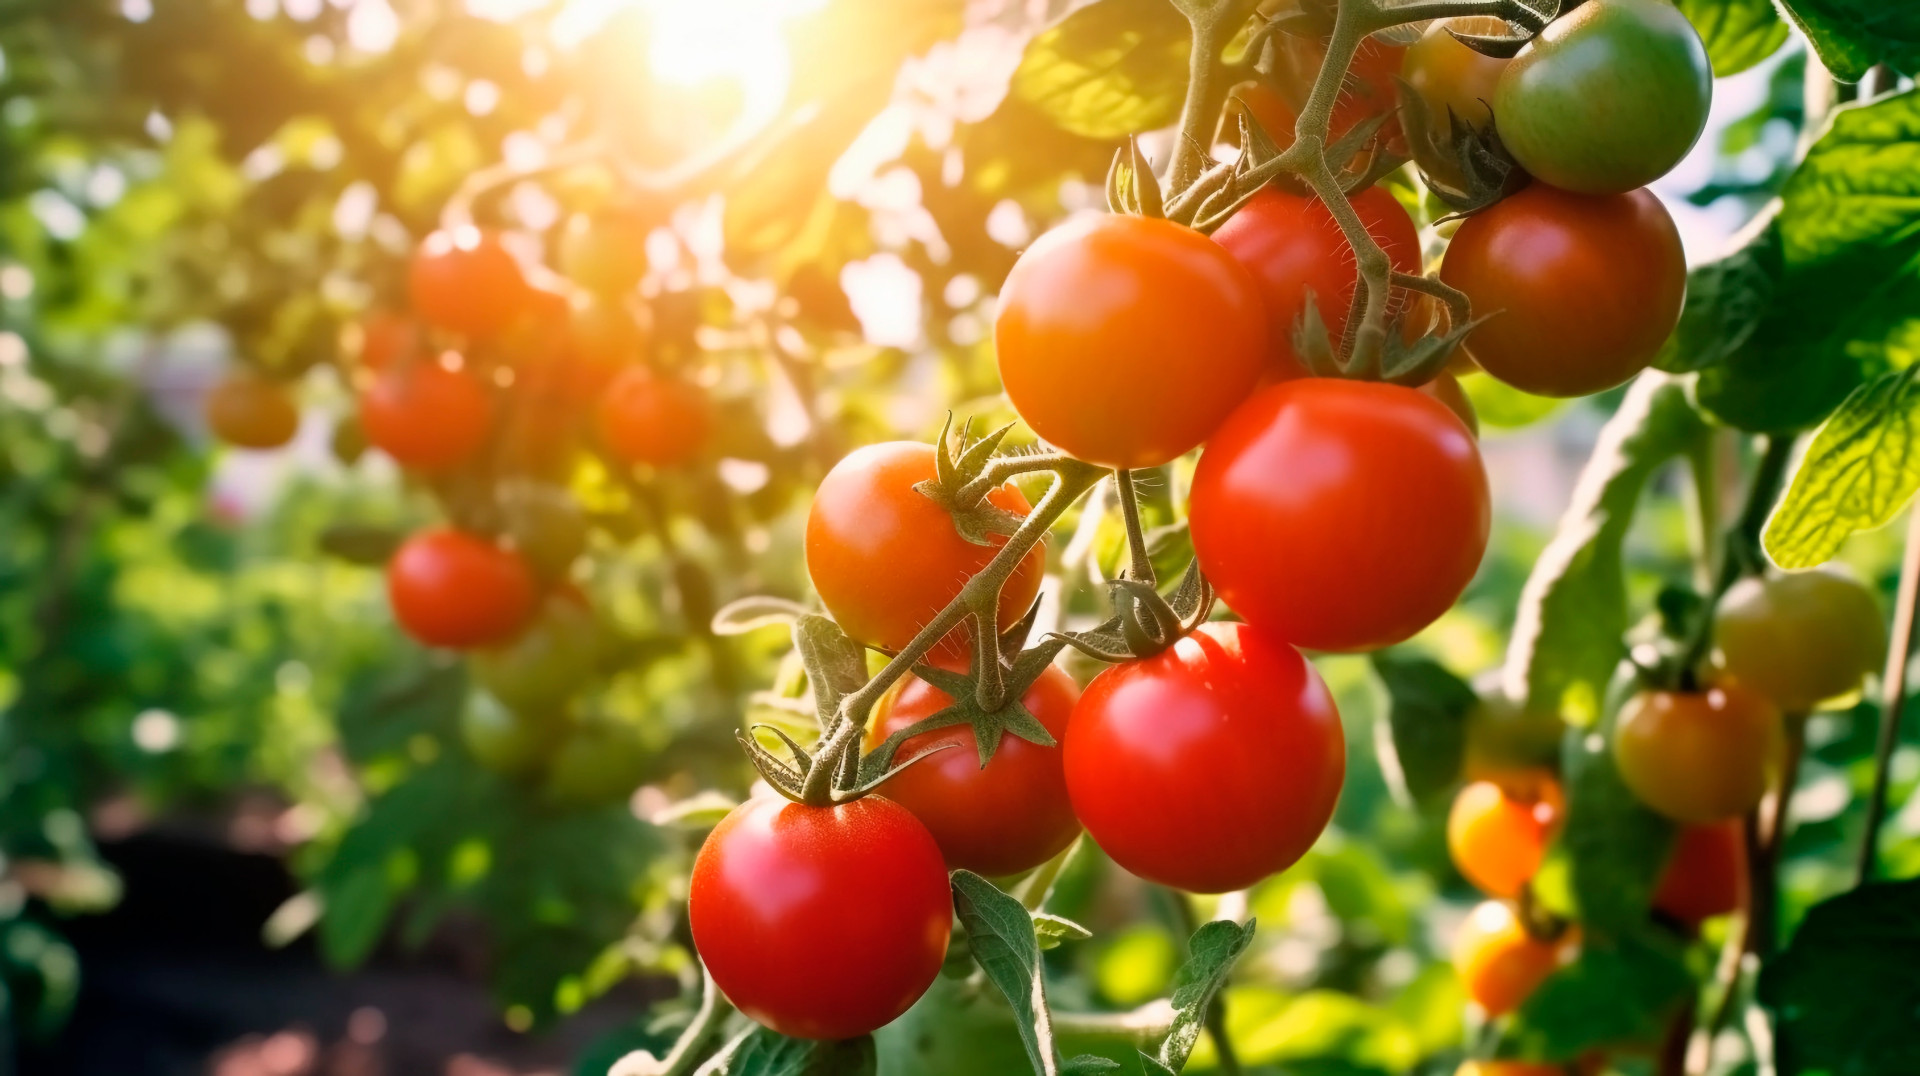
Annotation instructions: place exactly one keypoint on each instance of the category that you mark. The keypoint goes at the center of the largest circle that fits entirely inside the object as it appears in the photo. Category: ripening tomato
(1293, 248)
(426, 416)
(1126, 340)
(1005, 817)
(821, 922)
(1210, 765)
(654, 419)
(1609, 97)
(1370, 88)
(885, 559)
(1508, 1068)
(1700, 756)
(1707, 874)
(454, 589)
(606, 252)
(548, 661)
(1584, 290)
(1499, 963)
(387, 338)
(1445, 387)
(1450, 81)
(506, 741)
(466, 282)
(1800, 639)
(1498, 831)
(248, 410)
(1340, 515)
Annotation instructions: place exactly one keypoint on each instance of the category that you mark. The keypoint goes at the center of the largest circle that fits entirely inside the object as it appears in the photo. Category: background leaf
(1861, 469)
(1844, 994)
(1001, 935)
(1853, 35)
(1615, 992)
(1212, 952)
(1738, 33)
(1113, 68)
(1426, 730)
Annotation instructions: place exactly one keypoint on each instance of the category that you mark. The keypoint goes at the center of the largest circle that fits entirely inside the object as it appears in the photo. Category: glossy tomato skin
(250, 411)
(465, 281)
(1499, 963)
(821, 922)
(1211, 765)
(1292, 247)
(1498, 831)
(885, 559)
(1607, 98)
(1800, 639)
(1010, 816)
(458, 590)
(1340, 515)
(425, 416)
(1097, 317)
(1584, 290)
(649, 418)
(1706, 876)
(1451, 81)
(1446, 388)
(1700, 756)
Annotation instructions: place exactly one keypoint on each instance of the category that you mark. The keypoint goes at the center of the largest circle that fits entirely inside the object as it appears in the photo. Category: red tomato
(1210, 765)
(1006, 817)
(1126, 340)
(1707, 874)
(1508, 1068)
(820, 922)
(454, 589)
(1446, 388)
(885, 559)
(1698, 756)
(1497, 832)
(426, 416)
(1499, 963)
(466, 282)
(647, 418)
(387, 338)
(1370, 88)
(251, 411)
(1340, 515)
(1584, 289)
(1293, 247)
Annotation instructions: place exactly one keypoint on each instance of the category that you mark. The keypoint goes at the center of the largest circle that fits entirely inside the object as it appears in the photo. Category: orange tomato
(647, 418)
(1499, 963)
(1498, 832)
(1700, 756)
(466, 282)
(251, 411)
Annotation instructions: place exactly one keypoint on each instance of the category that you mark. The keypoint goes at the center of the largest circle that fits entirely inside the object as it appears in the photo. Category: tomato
(387, 338)
(1340, 515)
(1210, 765)
(508, 742)
(466, 282)
(604, 337)
(426, 416)
(1451, 80)
(1707, 873)
(547, 662)
(1698, 756)
(1126, 340)
(248, 410)
(1503, 736)
(1446, 388)
(453, 589)
(885, 559)
(821, 922)
(1499, 963)
(1508, 1068)
(1800, 639)
(1293, 248)
(606, 252)
(1006, 817)
(1607, 98)
(649, 418)
(1583, 289)
(1498, 831)
(596, 765)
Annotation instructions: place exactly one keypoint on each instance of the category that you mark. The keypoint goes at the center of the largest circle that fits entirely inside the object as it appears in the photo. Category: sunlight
(695, 42)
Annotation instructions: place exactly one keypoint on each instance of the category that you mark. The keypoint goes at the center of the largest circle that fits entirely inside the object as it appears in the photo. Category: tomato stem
(1142, 566)
(1893, 697)
(1741, 555)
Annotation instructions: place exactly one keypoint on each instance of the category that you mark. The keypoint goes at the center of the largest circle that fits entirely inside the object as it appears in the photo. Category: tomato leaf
(836, 665)
(746, 614)
(1853, 35)
(1212, 950)
(1618, 991)
(760, 1052)
(1573, 610)
(1738, 33)
(1726, 301)
(1604, 865)
(360, 543)
(1425, 738)
(1861, 469)
(1006, 946)
(1052, 931)
(1109, 69)
(1844, 994)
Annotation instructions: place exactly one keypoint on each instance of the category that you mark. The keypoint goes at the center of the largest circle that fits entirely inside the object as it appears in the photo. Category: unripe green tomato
(509, 743)
(1800, 639)
(1504, 736)
(597, 764)
(546, 525)
(549, 661)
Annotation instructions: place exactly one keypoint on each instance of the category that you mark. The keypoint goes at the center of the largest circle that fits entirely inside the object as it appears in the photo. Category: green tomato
(539, 669)
(508, 743)
(1608, 98)
(596, 765)
(1504, 736)
(546, 526)
(1800, 639)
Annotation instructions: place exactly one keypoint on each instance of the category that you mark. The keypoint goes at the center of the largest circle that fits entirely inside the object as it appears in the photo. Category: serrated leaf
(1617, 991)
(1002, 935)
(1844, 994)
(748, 614)
(1853, 35)
(836, 665)
(1109, 69)
(1052, 931)
(1738, 33)
(1212, 952)
(1425, 735)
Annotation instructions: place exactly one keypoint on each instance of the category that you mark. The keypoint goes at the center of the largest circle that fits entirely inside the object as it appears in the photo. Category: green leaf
(1573, 610)
(1052, 931)
(1853, 35)
(1425, 737)
(1212, 951)
(1844, 995)
(761, 1052)
(1861, 469)
(358, 543)
(355, 916)
(1604, 865)
(1738, 33)
(1108, 70)
(1001, 934)
(1726, 301)
(1616, 992)
(836, 665)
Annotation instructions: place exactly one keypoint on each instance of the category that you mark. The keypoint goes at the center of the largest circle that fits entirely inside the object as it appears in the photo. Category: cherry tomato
(1498, 831)
(387, 338)
(1210, 765)
(1293, 248)
(1450, 80)
(1508, 1068)
(597, 764)
(821, 922)
(547, 662)
(1800, 639)
(1097, 316)
(1707, 874)
(453, 589)
(1446, 388)
(1006, 817)
(1698, 756)
(508, 742)
(649, 418)
(1499, 963)
(1583, 289)
(250, 411)
(606, 252)
(466, 282)
(1340, 515)
(1607, 98)
(885, 559)
(426, 416)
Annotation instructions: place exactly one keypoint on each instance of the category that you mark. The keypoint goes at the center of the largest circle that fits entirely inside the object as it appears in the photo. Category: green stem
(1742, 555)
(1217, 1012)
(1763, 907)
(699, 1035)
(1204, 96)
(1142, 568)
(1893, 698)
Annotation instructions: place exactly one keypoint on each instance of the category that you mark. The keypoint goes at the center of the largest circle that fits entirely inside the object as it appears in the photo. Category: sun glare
(696, 42)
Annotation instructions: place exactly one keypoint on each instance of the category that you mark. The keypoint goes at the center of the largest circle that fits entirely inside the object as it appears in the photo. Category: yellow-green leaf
(1861, 469)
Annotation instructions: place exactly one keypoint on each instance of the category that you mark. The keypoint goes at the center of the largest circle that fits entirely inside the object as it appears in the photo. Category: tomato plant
(547, 661)
(1698, 756)
(1451, 82)
(511, 742)
(454, 589)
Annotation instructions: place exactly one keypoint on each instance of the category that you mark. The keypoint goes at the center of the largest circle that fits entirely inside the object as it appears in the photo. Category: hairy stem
(1893, 698)
(1142, 568)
